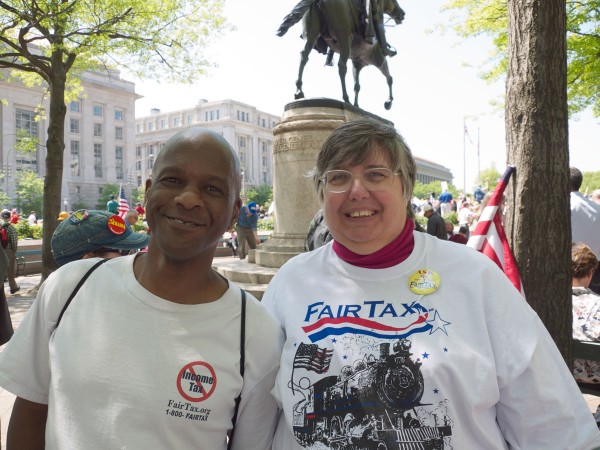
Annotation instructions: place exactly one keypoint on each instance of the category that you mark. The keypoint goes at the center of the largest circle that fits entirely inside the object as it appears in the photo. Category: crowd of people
(373, 339)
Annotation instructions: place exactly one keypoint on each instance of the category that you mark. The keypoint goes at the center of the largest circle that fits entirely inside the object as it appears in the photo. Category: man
(445, 200)
(112, 205)
(140, 209)
(151, 340)
(461, 237)
(247, 223)
(12, 241)
(585, 221)
(32, 219)
(131, 217)
(94, 234)
(371, 22)
(435, 224)
(595, 197)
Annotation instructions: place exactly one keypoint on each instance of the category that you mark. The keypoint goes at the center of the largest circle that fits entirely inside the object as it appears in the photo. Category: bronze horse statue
(337, 24)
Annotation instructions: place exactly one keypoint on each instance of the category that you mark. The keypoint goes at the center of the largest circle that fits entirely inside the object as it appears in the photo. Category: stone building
(248, 130)
(99, 135)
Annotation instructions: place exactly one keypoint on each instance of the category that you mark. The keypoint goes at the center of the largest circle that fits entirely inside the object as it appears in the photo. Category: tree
(52, 41)
(591, 182)
(538, 222)
(490, 17)
(489, 178)
(262, 195)
(107, 190)
(30, 192)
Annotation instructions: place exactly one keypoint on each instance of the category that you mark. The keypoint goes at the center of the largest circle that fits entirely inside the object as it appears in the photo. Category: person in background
(14, 217)
(435, 224)
(449, 228)
(445, 199)
(153, 340)
(383, 321)
(478, 194)
(131, 217)
(12, 243)
(247, 224)
(595, 197)
(140, 209)
(461, 237)
(94, 234)
(586, 311)
(112, 206)
(465, 216)
(585, 221)
(32, 219)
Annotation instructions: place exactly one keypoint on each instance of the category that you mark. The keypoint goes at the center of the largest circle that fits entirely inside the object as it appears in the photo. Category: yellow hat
(63, 215)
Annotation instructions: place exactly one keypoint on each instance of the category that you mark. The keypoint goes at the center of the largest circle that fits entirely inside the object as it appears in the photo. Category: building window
(27, 128)
(98, 160)
(119, 162)
(163, 123)
(74, 125)
(263, 123)
(138, 151)
(189, 120)
(98, 130)
(138, 128)
(177, 122)
(242, 141)
(98, 110)
(74, 106)
(119, 115)
(150, 126)
(118, 132)
(243, 157)
(75, 162)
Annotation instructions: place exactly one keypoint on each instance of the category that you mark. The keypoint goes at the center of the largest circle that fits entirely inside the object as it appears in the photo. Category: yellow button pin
(424, 281)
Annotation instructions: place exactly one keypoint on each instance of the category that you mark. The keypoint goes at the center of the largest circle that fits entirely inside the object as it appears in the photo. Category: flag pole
(464, 155)
(478, 160)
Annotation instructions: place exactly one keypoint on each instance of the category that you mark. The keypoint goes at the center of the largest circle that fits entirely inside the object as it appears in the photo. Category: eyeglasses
(375, 179)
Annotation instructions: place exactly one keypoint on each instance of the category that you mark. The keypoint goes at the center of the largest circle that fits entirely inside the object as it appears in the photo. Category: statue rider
(371, 18)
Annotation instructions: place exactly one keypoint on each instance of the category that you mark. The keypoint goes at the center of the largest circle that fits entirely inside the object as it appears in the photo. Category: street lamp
(66, 203)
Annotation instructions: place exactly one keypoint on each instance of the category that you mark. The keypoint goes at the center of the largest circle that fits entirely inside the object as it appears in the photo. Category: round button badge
(424, 282)
(116, 224)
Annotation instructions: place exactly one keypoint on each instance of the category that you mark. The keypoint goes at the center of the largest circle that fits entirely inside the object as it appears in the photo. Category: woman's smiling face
(365, 221)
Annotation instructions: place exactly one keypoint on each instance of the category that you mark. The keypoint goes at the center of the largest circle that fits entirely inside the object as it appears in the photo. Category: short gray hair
(353, 142)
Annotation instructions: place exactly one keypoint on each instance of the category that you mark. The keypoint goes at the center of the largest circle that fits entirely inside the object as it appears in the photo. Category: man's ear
(147, 191)
(236, 212)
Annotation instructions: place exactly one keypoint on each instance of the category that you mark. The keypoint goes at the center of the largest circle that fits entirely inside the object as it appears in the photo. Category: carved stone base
(297, 140)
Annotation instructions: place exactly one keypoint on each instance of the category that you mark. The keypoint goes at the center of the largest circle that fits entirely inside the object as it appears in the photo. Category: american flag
(489, 237)
(123, 203)
(311, 357)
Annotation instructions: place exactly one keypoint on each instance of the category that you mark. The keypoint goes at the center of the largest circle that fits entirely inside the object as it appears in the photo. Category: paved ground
(19, 305)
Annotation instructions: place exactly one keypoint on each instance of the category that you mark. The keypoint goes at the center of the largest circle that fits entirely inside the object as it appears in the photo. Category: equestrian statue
(352, 28)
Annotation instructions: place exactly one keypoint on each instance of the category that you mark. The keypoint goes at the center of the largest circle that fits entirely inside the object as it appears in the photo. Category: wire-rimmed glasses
(373, 179)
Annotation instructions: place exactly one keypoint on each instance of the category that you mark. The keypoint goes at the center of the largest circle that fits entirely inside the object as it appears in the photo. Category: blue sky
(436, 85)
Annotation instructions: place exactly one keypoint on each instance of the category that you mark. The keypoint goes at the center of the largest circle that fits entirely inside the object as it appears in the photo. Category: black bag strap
(74, 293)
(242, 364)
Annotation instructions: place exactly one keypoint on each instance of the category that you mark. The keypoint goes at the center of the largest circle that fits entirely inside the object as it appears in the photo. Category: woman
(586, 312)
(387, 342)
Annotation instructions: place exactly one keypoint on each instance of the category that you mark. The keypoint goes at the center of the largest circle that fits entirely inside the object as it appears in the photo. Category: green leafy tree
(107, 190)
(30, 192)
(591, 182)
(489, 178)
(490, 17)
(53, 41)
(262, 195)
(423, 191)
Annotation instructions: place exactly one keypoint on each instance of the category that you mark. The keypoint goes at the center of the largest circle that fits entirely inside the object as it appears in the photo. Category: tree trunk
(55, 146)
(538, 224)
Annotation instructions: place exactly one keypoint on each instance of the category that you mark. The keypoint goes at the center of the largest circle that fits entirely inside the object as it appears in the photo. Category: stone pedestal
(297, 140)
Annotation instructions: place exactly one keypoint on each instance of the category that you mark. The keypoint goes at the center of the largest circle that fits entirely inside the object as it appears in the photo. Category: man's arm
(27, 427)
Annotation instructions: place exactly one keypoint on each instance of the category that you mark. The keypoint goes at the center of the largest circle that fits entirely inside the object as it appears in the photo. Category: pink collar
(390, 255)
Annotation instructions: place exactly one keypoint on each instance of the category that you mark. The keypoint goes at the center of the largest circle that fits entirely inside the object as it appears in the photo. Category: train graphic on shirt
(370, 405)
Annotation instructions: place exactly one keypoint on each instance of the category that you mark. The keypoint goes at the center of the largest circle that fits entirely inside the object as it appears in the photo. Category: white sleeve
(541, 406)
(25, 362)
